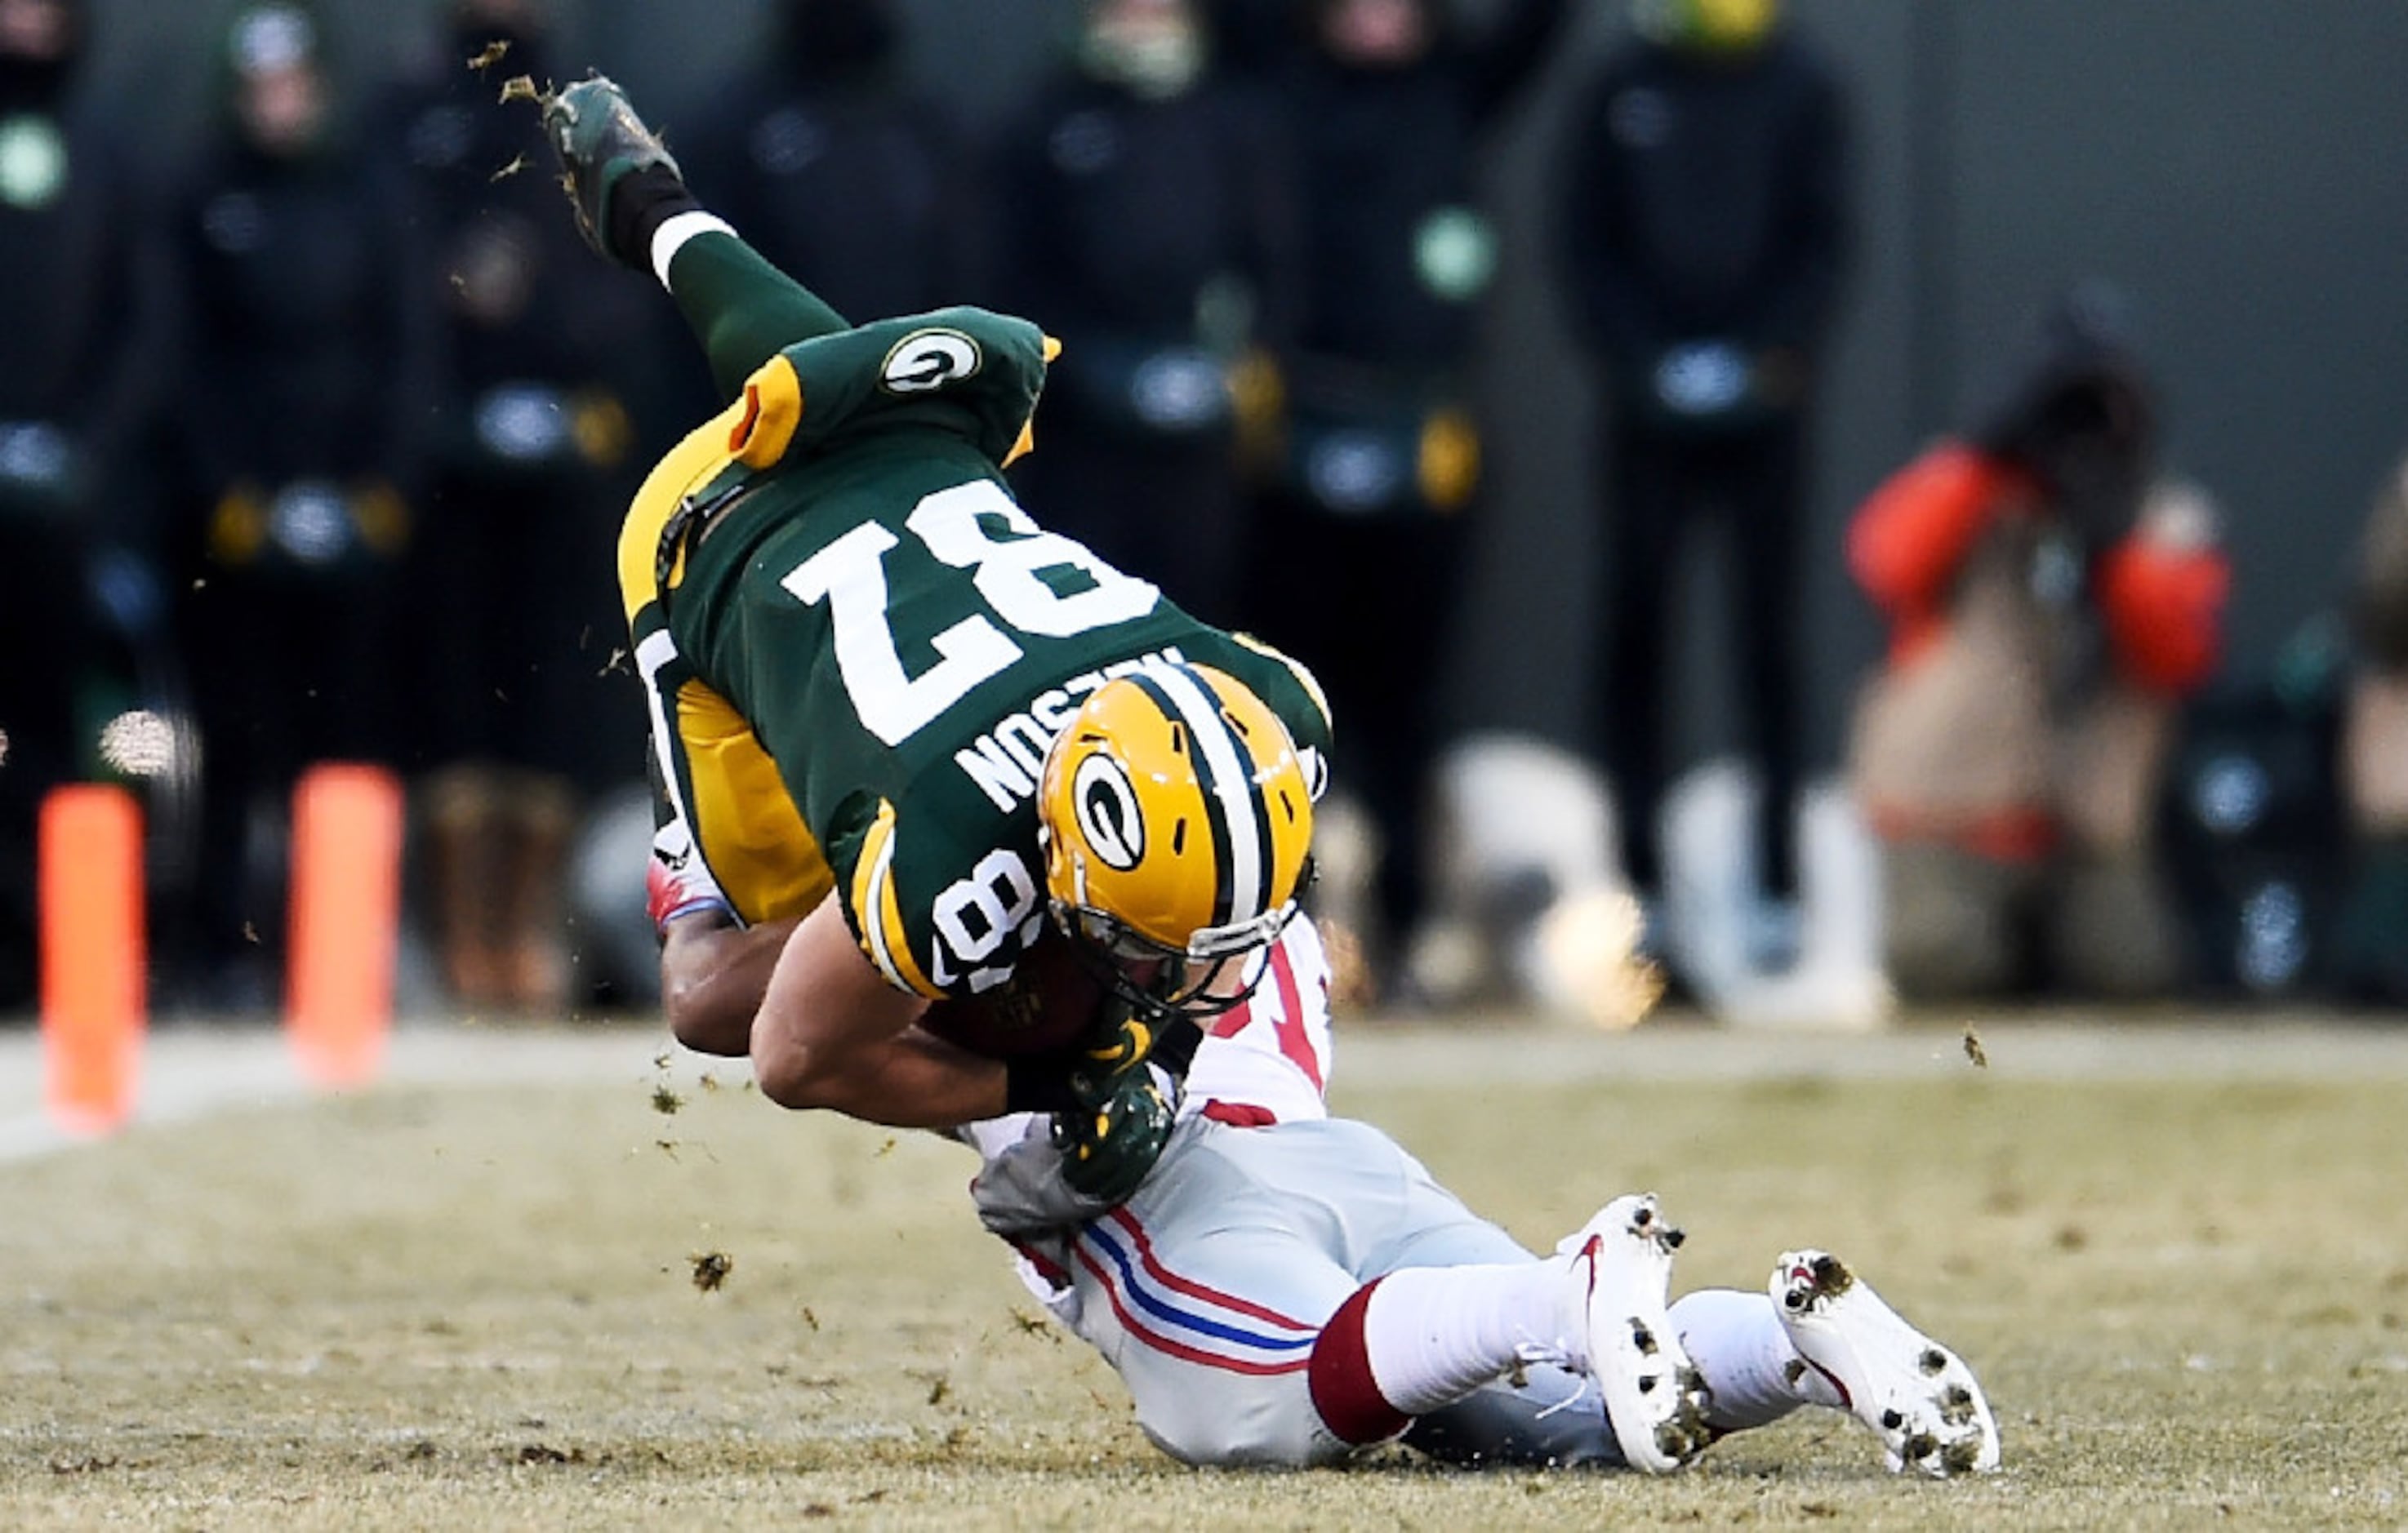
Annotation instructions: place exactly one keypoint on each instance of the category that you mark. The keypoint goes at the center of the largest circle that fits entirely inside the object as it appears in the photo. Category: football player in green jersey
(900, 728)
(902, 732)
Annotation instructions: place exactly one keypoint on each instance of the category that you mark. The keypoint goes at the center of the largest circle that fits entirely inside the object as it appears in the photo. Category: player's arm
(713, 975)
(715, 981)
(822, 1027)
(832, 1033)
(714, 967)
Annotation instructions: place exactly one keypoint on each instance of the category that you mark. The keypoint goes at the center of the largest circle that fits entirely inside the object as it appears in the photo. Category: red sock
(1343, 1390)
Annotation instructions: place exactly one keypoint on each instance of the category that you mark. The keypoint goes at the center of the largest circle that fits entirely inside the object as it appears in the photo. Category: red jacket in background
(1963, 738)
(2163, 605)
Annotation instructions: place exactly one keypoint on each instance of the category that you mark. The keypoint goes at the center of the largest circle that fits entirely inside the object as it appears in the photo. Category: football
(1049, 1002)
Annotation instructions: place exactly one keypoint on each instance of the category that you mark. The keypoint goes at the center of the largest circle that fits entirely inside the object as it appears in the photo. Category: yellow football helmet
(1177, 822)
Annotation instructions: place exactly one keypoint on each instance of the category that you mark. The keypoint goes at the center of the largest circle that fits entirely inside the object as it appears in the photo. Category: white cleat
(1920, 1396)
(1621, 1262)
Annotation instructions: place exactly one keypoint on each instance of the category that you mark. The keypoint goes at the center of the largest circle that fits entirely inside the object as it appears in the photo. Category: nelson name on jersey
(1006, 761)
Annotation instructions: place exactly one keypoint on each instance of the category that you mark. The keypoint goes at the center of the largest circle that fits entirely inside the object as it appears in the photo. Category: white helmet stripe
(1232, 785)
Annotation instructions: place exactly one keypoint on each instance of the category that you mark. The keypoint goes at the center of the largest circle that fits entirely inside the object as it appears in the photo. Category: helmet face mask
(1176, 822)
(1204, 980)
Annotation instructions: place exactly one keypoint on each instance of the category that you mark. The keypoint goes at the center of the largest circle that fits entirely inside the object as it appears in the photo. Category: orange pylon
(346, 915)
(94, 994)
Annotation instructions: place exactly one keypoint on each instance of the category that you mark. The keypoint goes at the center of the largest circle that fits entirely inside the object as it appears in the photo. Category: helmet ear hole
(1179, 838)
(1179, 739)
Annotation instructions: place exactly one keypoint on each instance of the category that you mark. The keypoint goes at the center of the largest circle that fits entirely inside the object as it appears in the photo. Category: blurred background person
(1358, 542)
(533, 444)
(1702, 209)
(82, 296)
(2257, 844)
(1144, 221)
(304, 392)
(2372, 945)
(834, 165)
(2051, 602)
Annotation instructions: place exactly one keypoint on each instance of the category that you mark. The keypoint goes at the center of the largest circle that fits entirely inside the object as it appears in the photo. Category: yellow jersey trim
(753, 835)
(684, 470)
(877, 913)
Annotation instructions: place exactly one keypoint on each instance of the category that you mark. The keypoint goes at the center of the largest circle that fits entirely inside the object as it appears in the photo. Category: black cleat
(600, 143)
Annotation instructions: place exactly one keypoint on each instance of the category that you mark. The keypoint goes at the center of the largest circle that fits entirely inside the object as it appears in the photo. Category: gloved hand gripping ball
(1109, 1144)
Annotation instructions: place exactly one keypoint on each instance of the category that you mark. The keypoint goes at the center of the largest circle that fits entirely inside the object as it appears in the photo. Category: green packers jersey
(858, 648)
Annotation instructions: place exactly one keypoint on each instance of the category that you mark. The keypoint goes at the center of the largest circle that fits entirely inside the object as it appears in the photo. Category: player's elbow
(702, 1016)
(691, 1023)
(794, 1074)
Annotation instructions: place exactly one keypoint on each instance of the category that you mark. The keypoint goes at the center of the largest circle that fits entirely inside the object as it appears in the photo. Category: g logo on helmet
(1106, 805)
(928, 359)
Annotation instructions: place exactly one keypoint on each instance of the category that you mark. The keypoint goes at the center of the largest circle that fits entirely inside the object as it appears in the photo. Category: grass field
(468, 1300)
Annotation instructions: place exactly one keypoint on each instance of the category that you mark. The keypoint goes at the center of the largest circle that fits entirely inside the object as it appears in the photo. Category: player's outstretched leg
(632, 205)
(1920, 1396)
(1655, 1400)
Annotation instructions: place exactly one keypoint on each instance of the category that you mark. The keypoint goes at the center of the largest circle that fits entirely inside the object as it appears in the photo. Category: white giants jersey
(1267, 1060)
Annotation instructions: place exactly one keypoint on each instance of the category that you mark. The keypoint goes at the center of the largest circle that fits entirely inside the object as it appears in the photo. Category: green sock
(743, 309)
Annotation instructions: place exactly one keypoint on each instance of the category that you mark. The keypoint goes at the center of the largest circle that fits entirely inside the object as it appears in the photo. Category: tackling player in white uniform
(1288, 1287)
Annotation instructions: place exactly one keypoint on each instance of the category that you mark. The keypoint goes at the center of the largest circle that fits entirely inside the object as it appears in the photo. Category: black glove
(1122, 1113)
(1119, 1037)
(1109, 1144)
(1123, 1038)
(1111, 1096)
